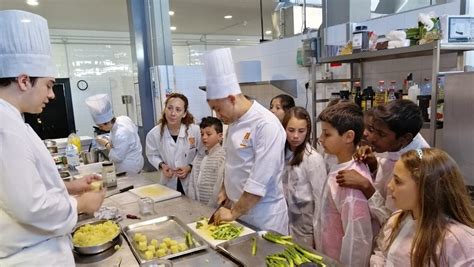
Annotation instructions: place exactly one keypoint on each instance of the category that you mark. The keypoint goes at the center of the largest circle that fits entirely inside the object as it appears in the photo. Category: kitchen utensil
(88, 157)
(89, 250)
(211, 219)
(204, 234)
(160, 228)
(156, 192)
(51, 146)
(115, 192)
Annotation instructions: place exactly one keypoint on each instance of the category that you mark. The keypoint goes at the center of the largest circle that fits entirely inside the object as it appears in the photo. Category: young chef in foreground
(254, 147)
(36, 212)
(125, 149)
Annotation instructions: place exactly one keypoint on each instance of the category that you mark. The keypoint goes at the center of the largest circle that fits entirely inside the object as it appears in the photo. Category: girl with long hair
(303, 176)
(172, 145)
(280, 104)
(434, 224)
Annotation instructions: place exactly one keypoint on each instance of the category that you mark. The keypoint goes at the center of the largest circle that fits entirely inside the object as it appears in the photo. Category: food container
(157, 263)
(146, 206)
(90, 250)
(51, 146)
(160, 228)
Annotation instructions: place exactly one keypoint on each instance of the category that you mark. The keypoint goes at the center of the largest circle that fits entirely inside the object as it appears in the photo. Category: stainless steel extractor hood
(288, 86)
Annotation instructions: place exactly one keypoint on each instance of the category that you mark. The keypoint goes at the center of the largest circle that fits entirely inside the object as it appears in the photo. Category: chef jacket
(174, 154)
(254, 163)
(303, 185)
(458, 244)
(380, 203)
(126, 152)
(37, 214)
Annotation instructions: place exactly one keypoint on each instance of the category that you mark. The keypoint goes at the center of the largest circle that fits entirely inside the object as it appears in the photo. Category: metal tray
(159, 228)
(240, 249)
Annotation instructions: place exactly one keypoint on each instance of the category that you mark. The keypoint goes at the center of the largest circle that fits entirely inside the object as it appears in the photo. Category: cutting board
(156, 192)
(213, 242)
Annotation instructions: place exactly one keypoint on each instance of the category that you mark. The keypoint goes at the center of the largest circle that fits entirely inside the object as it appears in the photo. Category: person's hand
(102, 141)
(90, 202)
(83, 184)
(182, 172)
(353, 179)
(366, 155)
(223, 215)
(167, 171)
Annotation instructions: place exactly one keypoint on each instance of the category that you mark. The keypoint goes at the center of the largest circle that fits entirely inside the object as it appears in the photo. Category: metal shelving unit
(434, 49)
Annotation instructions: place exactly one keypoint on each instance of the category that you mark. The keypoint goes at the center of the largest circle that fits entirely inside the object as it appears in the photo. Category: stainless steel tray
(159, 228)
(240, 249)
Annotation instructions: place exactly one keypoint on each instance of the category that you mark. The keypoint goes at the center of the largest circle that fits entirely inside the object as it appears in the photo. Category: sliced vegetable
(188, 239)
(226, 231)
(254, 246)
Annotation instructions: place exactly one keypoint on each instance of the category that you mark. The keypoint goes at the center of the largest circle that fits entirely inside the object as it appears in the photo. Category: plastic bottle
(108, 174)
(74, 139)
(391, 91)
(380, 94)
(357, 94)
(72, 156)
(360, 39)
(426, 87)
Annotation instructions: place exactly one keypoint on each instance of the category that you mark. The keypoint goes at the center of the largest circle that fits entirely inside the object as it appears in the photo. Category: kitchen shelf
(338, 80)
(398, 53)
(434, 49)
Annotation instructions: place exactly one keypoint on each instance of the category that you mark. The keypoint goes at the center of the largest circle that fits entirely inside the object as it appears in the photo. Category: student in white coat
(172, 145)
(125, 148)
(37, 214)
(254, 148)
(303, 177)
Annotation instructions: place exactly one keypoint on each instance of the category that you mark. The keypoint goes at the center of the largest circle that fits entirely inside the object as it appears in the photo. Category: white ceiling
(191, 16)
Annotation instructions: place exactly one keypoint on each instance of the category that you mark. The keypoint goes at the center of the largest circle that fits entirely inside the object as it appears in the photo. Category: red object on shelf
(335, 64)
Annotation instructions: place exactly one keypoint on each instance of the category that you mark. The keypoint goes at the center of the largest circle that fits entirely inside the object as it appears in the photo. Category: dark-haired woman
(172, 145)
(303, 177)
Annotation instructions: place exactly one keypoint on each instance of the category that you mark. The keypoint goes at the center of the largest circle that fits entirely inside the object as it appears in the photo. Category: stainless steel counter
(185, 209)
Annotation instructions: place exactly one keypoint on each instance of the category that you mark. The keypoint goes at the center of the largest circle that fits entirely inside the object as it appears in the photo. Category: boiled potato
(142, 246)
(167, 240)
(174, 249)
(173, 242)
(161, 252)
(163, 246)
(96, 186)
(154, 242)
(182, 246)
(151, 247)
(149, 255)
(143, 238)
(136, 237)
(95, 234)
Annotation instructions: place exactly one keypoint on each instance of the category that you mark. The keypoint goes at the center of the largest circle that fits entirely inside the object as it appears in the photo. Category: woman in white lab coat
(125, 148)
(172, 145)
(435, 223)
(37, 214)
(303, 177)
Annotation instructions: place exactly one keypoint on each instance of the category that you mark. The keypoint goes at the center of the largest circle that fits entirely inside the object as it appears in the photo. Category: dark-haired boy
(344, 229)
(390, 130)
(208, 169)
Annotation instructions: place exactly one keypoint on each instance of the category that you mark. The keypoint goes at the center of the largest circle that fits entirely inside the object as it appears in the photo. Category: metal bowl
(90, 250)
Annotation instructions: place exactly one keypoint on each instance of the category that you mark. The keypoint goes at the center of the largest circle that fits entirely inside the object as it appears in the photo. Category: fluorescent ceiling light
(171, 12)
(237, 40)
(268, 32)
(32, 2)
(25, 20)
(228, 16)
(173, 28)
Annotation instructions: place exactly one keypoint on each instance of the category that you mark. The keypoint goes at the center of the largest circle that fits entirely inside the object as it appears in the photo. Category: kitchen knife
(125, 189)
(211, 219)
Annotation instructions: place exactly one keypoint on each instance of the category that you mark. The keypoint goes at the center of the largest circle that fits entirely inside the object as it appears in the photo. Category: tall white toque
(221, 80)
(100, 108)
(25, 47)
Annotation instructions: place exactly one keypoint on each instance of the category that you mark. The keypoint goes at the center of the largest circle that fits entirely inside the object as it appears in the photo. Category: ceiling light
(32, 2)
(228, 16)
(171, 12)
(237, 40)
(268, 32)
(173, 28)
(25, 20)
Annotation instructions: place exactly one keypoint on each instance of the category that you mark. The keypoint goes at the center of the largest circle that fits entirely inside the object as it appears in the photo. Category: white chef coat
(37, 214)
(458, 244)
(303, 185)
(344, 229)
(174, 154)
(254, 162)
(380, 203)
(207, 176)
(126, 152)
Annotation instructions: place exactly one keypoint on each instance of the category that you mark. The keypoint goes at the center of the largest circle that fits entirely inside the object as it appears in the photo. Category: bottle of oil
(357, 94)
(391, 91)
(380, 94)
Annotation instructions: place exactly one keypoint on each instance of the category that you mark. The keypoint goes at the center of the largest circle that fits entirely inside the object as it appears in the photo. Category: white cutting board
(156, 192)
(213, 242)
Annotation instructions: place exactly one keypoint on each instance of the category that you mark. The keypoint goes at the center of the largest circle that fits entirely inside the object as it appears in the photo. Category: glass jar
(108, 174)
(146, 206)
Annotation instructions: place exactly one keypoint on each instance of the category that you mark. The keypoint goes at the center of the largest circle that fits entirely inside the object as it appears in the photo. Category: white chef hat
(221, 80)
(100, 108)
(25, 47)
